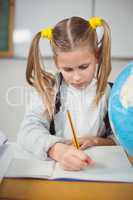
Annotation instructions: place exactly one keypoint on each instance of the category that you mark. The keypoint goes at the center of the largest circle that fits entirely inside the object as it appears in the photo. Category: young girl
(84, 64)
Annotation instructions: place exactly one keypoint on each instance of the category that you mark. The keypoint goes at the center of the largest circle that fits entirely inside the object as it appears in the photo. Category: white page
(111, 164)
(30, 168)
(25, 164)
(6, 155)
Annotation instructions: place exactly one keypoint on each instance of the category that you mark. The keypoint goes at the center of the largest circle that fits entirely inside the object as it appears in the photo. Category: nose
(76, 76)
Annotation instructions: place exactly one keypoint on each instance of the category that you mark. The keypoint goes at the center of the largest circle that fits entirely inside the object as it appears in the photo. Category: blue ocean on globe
(121, 108)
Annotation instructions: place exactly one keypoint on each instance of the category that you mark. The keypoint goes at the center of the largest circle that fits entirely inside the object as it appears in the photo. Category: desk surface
(35, 189)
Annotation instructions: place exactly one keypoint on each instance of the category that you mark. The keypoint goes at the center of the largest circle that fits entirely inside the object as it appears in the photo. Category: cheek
(89, 74)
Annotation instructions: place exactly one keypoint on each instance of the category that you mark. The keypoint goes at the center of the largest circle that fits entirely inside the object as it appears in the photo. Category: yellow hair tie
(95, 21)
(47, 33)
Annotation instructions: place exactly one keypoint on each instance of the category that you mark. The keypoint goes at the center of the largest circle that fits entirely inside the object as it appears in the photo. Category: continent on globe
(121, 108)
(126, 94)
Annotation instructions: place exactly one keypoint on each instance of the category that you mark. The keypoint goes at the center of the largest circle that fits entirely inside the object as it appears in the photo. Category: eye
(83, 67)
(67, 69)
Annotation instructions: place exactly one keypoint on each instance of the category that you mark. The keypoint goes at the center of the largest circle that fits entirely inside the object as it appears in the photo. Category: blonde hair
(68, 35)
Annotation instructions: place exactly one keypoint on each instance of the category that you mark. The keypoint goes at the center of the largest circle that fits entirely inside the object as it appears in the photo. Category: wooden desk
(33, 189)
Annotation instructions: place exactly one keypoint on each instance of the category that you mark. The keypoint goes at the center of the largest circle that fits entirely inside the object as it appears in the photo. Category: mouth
(81, 85)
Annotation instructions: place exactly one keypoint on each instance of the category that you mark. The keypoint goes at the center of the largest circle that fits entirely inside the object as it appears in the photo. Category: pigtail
(37, 77)
(104, 67)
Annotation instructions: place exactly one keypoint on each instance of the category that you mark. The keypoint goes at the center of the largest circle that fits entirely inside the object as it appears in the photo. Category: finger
(90, 161)
(83, 147)
(70, 161)
(86, 145)
(85, 158)
(81, 140)
(78, 164)
(70, 165)
(75, 160)
(79, 154)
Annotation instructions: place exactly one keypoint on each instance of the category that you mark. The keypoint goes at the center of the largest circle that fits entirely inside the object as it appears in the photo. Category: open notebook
(111, 164)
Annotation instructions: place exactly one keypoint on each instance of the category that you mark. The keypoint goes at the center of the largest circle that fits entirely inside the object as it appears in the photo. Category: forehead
(74, 58)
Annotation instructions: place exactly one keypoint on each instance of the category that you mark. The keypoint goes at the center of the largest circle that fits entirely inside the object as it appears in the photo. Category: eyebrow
(75, 66)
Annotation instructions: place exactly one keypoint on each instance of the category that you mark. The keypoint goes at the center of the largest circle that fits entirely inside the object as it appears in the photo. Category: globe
(120, 108)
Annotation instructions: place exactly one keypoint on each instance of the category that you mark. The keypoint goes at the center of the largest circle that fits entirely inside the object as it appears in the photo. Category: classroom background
(31, 16)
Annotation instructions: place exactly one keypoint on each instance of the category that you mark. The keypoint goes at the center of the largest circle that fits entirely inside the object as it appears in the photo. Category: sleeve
(34, 135)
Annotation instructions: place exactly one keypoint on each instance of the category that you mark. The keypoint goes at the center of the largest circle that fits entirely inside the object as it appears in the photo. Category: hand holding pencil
(70, 157)
(88, 160)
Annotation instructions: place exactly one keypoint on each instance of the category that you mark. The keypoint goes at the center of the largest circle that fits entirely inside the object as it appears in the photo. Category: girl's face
(77, 67)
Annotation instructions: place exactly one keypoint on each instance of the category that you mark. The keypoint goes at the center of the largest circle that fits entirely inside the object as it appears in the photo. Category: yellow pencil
(73, 130)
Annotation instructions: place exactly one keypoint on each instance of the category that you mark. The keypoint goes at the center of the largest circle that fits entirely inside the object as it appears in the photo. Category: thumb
(85, 145)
